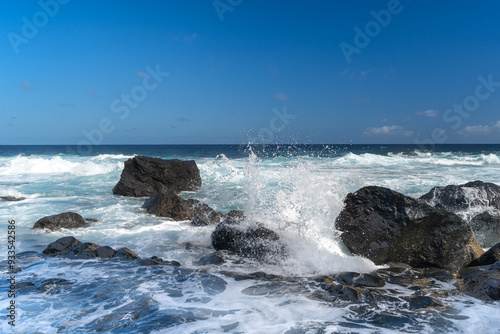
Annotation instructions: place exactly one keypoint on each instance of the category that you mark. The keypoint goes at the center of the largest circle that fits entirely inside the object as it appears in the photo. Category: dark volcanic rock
(486, 226)
(464, 196)
(168, 204)
(257, 242)
(62, 220)
(480, 282)
(490, 257)
(420, 302)
(127, 254)
(12, 198)
(145, 176)
(213, 258)
(61, 246)
(386, 226)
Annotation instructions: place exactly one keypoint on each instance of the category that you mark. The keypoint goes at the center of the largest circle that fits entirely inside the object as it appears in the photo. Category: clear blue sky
(231, 66)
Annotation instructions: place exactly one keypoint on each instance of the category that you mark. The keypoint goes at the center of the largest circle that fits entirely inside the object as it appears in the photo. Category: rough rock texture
(257, 242)
(72, 247)
(477, 195)
(480, 282)
(486, 227)
(464, 196)
(490, 257)
(145, 176)
(62, 220)
(168, 204)
(386, 226)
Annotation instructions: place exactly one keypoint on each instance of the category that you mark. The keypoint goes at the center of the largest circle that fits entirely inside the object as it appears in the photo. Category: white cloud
(429, 113)
(480, 130)
(387, 130)
(281, 97)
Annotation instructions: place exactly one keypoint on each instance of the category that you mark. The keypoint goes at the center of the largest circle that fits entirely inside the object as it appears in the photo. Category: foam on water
(299, 196)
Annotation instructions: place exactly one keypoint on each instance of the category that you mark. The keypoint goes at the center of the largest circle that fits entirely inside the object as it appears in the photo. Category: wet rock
(103, 252)
(61, 246)
(213, 258)
(212, 284)
(472, 194)
(486, 226)
(12, 198)
(235, 215)
(145, 176)
(127, 254)
(256, 242)
(168, 204)
(422, 302)
(480, 282)
(490, 257)
(386, 226)
(53, 285)
(63, 220)
(345, 292)
(155, 260)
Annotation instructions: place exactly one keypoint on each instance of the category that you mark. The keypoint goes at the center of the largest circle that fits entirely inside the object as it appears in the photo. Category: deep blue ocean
(296, 190)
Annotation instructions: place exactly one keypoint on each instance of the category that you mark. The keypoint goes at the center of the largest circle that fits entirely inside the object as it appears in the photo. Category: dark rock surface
(386, 226)
(72, 247)
(12, 198)
(257, 242)
(168, 204)
(63, 220)
(480, 282)
(486, 227)
(464, 196)
(145, 176)
(212, 258)
(491, 256)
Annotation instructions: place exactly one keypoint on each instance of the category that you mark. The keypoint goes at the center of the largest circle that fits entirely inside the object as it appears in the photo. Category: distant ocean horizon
(296, 190)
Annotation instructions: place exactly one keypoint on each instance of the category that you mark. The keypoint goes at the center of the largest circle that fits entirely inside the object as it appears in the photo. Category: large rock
(491, 256)
(486, 227)
(386, 226)
(168, 204)
(63, 220)
(257, 241)
(482, 197)
(455, 198)
(145, 176)
(480, 282)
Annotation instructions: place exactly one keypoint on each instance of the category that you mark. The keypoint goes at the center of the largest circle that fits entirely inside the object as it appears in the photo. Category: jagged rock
(491, 256)
(257, 242)
(480, 282)
(61, 246)
(127, 254)
(103, 252)
(145, 176)
(421, 302)
(386, 226)
(486, 227)
(464, 196)
(168, 204)
(63, 220)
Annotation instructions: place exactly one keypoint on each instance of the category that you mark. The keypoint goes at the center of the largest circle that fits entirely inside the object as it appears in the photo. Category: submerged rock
(12, 198)
(168, 204)
(63, 220)
(386, 226)
(145, 176)
(257, 241)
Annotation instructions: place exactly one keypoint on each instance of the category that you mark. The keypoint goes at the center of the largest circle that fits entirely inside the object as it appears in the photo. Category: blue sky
(76, 72)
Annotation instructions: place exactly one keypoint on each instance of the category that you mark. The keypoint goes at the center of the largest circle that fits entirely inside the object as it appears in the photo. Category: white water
(299, 197)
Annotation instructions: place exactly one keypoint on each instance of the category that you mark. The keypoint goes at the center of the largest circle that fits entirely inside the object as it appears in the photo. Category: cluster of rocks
(380, 224)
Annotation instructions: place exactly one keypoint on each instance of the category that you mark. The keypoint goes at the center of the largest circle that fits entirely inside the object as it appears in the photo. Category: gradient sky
(237, 68)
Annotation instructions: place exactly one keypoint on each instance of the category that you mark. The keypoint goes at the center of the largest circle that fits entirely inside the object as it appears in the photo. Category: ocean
(295, 190)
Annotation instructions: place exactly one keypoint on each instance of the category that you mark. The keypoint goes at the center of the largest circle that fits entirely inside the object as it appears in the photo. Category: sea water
(295, 190)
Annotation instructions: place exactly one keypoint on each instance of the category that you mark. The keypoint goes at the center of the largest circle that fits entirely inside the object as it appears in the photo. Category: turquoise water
(294, 190)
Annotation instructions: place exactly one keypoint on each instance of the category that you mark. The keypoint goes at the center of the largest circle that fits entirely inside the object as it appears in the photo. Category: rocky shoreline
(421, 241)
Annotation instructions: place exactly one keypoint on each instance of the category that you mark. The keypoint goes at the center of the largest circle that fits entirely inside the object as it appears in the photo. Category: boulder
(455, 198)
(386, 226)
(168, 204)
(480, 282)
(491, 256)
(61, 246)
(145, 176)
(486, 227)
(257, 241)
(62, 220)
